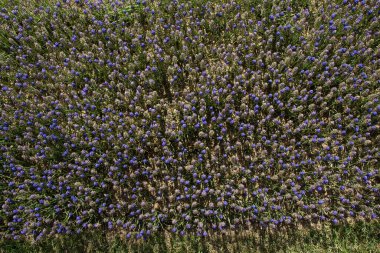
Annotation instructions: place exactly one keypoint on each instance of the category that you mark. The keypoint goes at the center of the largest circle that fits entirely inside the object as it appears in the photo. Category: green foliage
(355, 238)
(360, 237)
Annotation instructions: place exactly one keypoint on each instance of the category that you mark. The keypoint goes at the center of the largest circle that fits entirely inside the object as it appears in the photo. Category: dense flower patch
(187, 116)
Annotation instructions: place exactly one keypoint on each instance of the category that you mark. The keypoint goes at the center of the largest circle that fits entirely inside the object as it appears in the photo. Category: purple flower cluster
(186, 116)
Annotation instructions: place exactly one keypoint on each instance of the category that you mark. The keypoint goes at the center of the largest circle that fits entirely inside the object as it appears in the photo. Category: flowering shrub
(188, 116)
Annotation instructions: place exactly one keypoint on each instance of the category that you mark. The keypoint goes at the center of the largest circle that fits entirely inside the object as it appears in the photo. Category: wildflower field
(160, 123)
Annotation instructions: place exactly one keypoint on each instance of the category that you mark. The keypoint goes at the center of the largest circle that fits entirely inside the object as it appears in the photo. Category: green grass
(359, 237)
